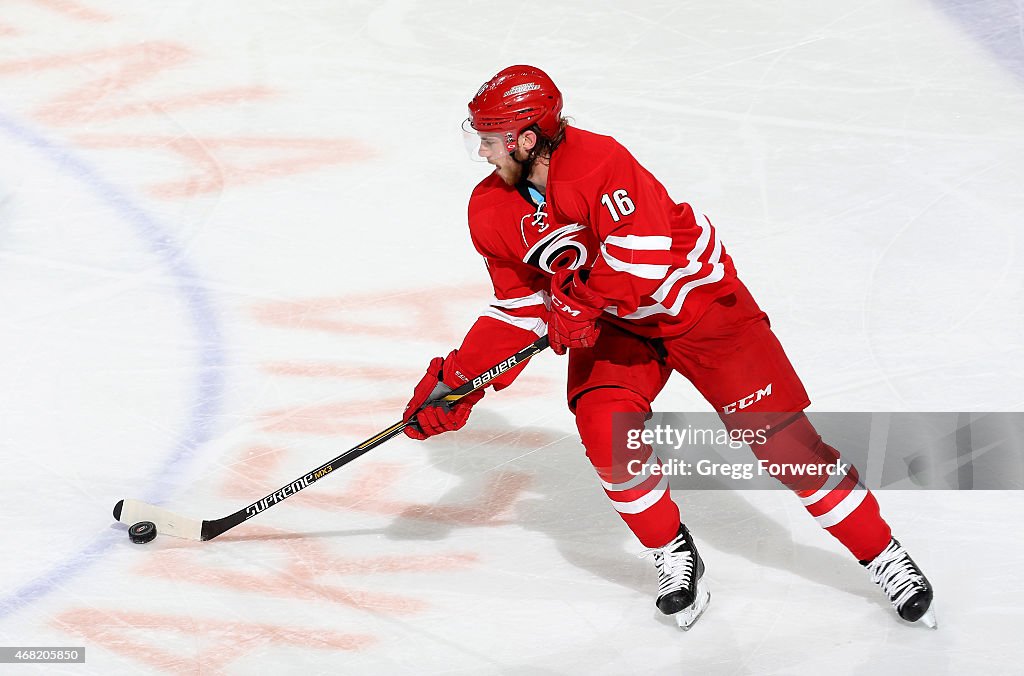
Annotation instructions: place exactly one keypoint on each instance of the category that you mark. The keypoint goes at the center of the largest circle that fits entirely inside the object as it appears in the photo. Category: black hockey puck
(142, 532)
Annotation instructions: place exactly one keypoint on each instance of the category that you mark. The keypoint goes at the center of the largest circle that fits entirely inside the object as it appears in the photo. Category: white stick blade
(167, 523)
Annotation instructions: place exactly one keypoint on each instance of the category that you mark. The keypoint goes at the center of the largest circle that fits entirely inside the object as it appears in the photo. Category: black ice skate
(904, 583)
(682, 591)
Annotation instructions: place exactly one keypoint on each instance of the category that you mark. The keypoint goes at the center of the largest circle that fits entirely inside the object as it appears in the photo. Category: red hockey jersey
(657, 264)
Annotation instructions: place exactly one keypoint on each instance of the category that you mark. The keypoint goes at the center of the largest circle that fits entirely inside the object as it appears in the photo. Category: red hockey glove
(443, 376)
(574, 313)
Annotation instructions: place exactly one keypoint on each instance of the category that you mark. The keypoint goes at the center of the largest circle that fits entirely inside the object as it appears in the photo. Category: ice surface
(233, 234)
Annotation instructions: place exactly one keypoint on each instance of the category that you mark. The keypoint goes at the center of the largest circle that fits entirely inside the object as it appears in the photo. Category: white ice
(233, 234)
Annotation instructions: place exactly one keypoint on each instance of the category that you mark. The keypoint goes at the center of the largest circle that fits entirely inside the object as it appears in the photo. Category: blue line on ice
(204, 319)
(996, 25)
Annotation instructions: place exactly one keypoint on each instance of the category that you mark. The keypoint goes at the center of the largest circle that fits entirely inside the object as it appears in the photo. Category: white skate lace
(897, 576)
(673, 567)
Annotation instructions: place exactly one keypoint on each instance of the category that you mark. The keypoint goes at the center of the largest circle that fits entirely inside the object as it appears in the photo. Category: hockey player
(583, 243)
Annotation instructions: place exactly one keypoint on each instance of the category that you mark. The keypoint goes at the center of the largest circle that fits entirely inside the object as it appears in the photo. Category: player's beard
(509, 170)
(513, 170)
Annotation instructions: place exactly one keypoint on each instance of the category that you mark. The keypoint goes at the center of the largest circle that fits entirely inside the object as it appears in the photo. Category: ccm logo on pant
(495, 372)
(748, 400)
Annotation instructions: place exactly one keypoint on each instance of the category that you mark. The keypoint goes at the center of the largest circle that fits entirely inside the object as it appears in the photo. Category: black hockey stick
(132, 511)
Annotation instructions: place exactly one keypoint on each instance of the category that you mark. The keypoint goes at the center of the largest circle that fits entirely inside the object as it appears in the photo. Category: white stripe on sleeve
(534, 324)
(640, 242)
(539, 298)
(644, 270)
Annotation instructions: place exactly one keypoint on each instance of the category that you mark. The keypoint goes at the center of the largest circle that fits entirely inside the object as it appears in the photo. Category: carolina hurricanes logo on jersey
(559, 250)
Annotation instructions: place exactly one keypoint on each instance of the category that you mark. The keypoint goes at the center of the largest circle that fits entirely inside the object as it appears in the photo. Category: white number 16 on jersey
(622, 206)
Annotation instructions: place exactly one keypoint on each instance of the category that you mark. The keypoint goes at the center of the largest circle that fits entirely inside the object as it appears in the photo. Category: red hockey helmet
(514, 99)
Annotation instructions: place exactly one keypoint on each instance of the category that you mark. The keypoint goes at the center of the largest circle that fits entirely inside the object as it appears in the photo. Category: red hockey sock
(839, 503)
(643, 501)
(849, 512)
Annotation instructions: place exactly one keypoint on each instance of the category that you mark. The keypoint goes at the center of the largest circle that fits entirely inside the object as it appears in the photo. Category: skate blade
(686, 617)
(928, 619)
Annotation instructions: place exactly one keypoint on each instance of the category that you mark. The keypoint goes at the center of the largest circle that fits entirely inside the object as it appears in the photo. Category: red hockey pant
(730, 356)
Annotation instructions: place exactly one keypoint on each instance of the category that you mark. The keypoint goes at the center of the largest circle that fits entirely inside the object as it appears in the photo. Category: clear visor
(483, 146)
